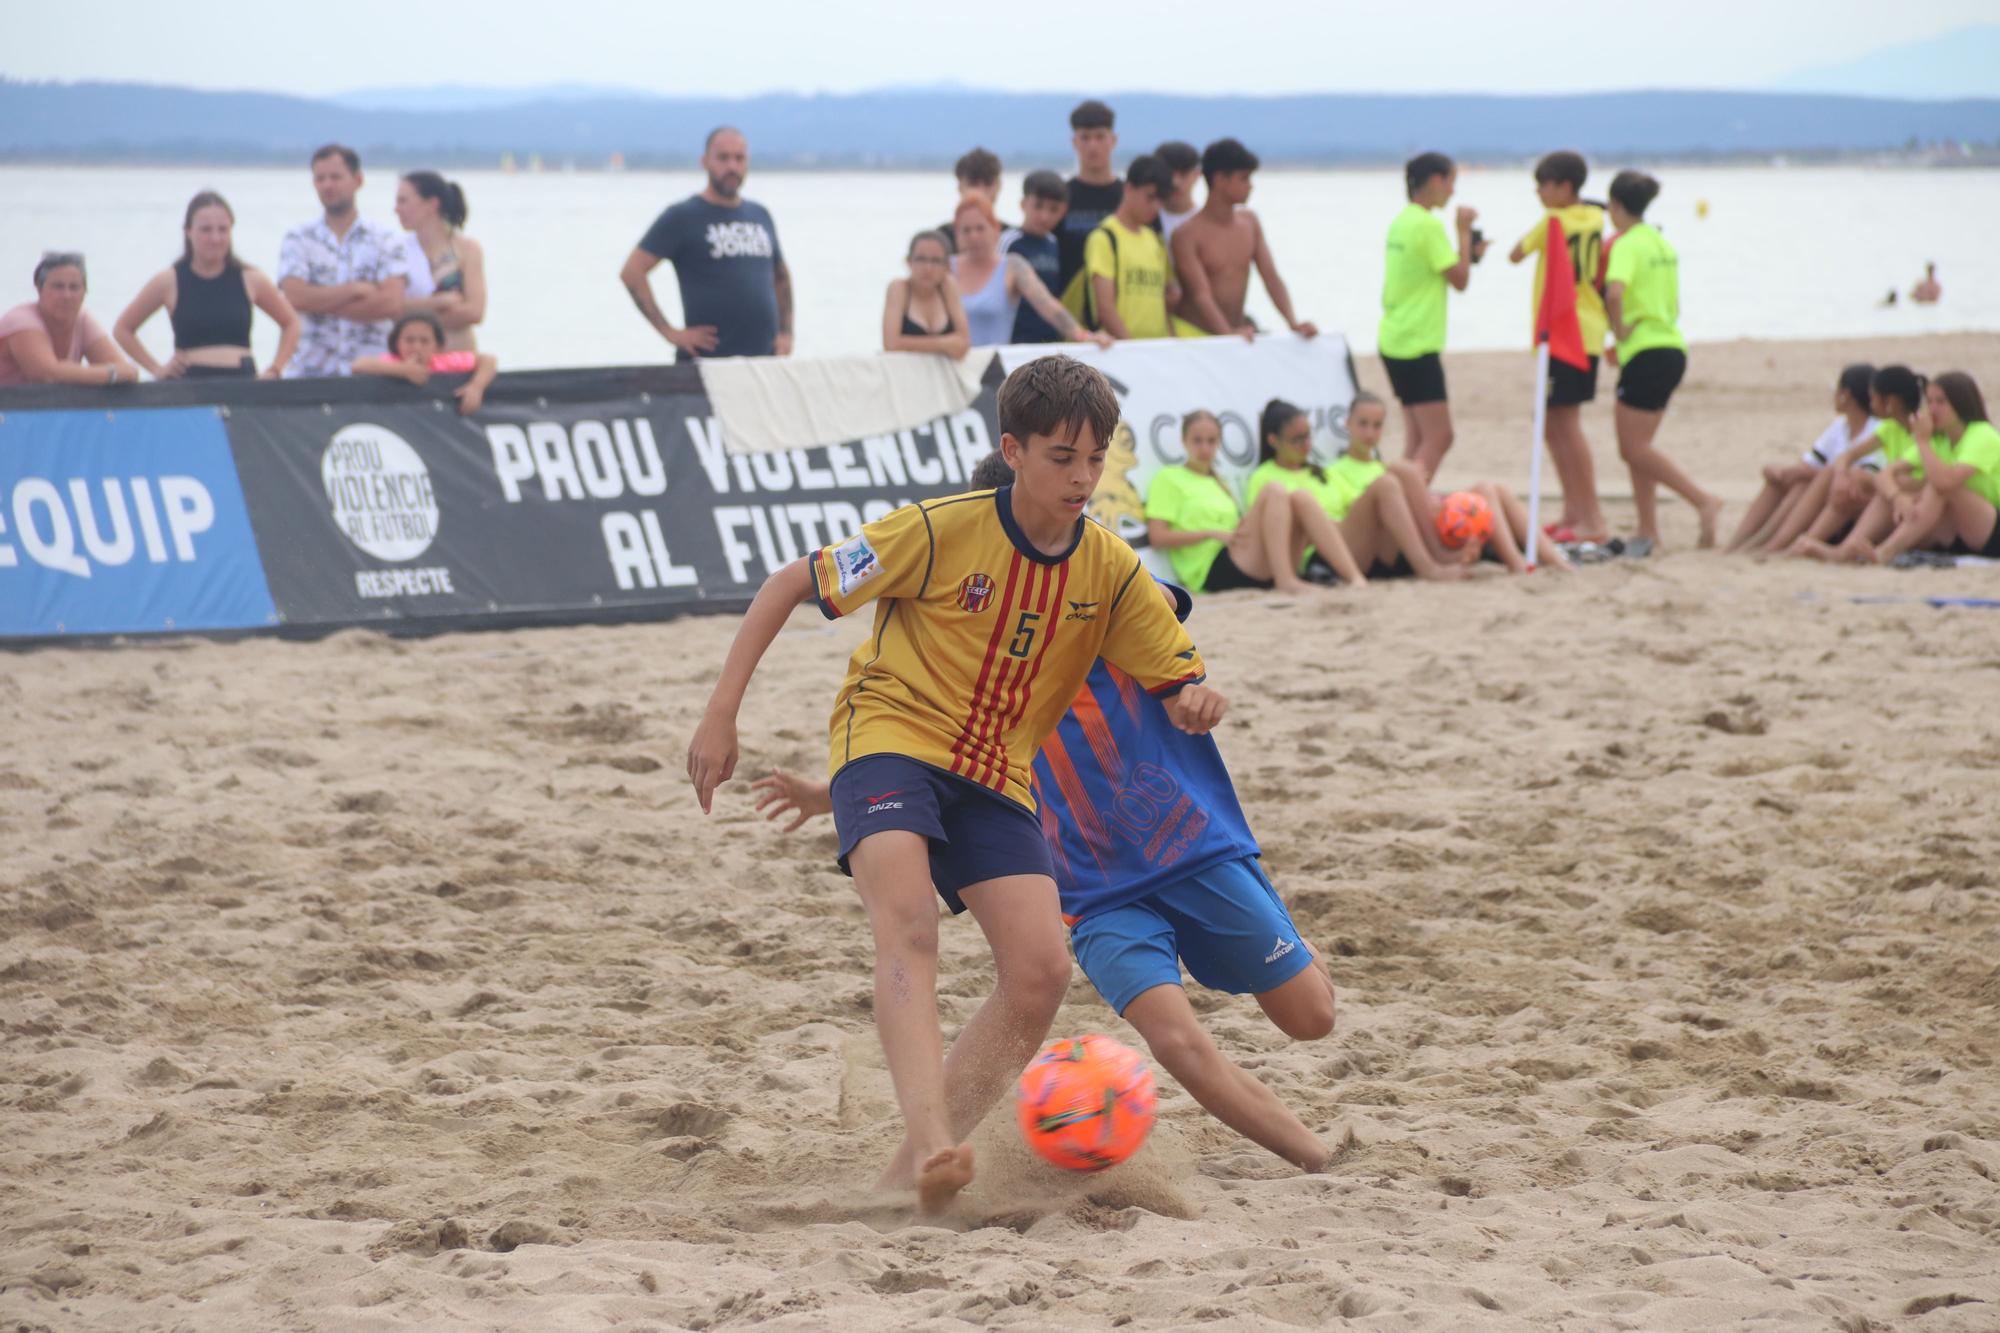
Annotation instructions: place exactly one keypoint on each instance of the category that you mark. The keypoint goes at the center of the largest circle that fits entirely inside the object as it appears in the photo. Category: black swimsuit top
(209, 312)
(912, 329)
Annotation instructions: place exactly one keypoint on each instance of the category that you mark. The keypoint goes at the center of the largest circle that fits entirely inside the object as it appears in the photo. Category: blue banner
(124, 522)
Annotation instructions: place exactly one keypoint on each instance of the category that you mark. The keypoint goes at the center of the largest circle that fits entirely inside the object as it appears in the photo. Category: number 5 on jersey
(1023, 641)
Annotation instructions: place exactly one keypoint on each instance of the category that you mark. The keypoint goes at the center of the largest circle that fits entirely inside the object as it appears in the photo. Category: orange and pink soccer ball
(1086, 1103)
(1464, 518)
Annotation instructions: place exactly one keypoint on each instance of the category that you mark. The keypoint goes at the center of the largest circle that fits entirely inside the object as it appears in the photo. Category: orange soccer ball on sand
(1086, 1103)
(1464, 518)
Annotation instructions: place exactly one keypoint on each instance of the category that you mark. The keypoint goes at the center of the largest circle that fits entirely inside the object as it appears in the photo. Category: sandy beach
(385, 984)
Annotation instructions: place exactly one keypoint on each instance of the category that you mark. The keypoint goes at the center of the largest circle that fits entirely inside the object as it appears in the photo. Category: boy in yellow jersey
(1420, 263)
(1559, 179)
(991, 609)
(1125, 261)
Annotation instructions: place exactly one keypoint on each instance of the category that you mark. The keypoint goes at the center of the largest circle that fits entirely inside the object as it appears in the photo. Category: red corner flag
(1555, 318)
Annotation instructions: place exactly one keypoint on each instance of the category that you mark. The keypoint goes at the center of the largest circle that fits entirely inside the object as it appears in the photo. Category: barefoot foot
(941, 1177)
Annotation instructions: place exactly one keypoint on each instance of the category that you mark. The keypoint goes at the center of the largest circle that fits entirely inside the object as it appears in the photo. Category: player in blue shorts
(1156, 868)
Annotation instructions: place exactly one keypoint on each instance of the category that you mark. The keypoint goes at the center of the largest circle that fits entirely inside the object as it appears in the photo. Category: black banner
(544, 507)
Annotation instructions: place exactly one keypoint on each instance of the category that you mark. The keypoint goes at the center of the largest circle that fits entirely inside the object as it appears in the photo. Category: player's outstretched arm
(1196, 709)
(712, 753)
(788, 793)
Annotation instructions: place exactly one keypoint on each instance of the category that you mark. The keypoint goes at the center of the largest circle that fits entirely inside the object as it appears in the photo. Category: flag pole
(1535, 447)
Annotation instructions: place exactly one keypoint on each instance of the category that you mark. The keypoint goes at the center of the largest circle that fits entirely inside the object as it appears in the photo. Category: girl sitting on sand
(1212, 543)
(1795, 494)
(416, 352)
(1959, 506)
(1869, 512)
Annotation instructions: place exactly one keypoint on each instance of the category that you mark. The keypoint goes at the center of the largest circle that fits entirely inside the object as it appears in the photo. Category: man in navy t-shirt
(736, 293)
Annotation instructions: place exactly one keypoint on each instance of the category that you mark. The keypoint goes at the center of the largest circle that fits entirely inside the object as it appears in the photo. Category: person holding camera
(1421, 260)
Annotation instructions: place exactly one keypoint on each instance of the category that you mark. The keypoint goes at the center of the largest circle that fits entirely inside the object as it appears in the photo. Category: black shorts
(1418, 380)
(1570, 387)
(975, 833)
(1397, 569)
(1223, 575)
(1989, 551)
(246, 369)
(1650, 378)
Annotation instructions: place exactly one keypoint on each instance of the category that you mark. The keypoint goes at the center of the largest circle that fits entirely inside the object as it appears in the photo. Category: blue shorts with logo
(975, 833)
(1225, 922)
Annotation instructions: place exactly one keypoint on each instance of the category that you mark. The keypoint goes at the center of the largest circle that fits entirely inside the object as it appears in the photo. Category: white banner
(1161, 380)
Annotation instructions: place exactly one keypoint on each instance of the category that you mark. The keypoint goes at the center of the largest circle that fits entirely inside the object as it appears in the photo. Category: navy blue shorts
(1226, 923)
(975, 833)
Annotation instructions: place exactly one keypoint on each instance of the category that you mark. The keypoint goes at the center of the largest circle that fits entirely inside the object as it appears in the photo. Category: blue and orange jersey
(981, 641)
(1128, 802)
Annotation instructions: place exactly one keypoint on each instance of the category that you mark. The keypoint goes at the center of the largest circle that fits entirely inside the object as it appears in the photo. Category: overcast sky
(739, 47)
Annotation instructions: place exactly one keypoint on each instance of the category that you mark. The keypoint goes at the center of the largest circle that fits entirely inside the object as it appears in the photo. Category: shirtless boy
(1214, 249)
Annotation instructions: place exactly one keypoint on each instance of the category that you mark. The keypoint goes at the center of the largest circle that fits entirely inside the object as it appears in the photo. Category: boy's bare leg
(1167, 1022)
(1381, 520)
(1021, 918)
(892, 874)
(1430, 435)
(1576, 470)
(1652, 469)
(1311, 526)
(1303, 1007)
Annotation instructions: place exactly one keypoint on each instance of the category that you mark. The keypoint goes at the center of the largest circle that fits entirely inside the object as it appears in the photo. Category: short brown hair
(1057, 396)
(339, 150)
(1562, 168)
(978, 167)
(991, 473)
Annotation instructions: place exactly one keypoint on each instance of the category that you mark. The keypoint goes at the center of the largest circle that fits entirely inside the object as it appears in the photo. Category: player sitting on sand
(1867, 514)
(1795, 494)
(1958, 508)
(991, 608)
(1211, 541)
(1157, 867)
(1369, 497)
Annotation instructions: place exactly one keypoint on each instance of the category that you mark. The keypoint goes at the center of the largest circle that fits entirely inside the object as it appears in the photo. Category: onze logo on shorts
(975, 593)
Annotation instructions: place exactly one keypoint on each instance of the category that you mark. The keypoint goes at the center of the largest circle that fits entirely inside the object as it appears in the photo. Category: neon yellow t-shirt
(1583, 231)
(1979, 447)
(1347, 477)
(1137, 264)
(1651, 272)
(1413, 284)
(1188, 501)
(1292, 479)
(1898, 446)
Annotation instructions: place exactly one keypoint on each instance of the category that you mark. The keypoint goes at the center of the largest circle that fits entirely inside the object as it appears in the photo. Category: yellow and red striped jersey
(981, 642)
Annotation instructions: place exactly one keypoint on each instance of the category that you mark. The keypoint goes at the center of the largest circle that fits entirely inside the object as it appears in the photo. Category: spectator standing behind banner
(208, 293)
(994, 286)
(1421, 262)
(1214, 250)
(48, 340)
(736, 293)
(1093, 192)
(433, 210)
(416, 352)
(1044, 200)
(923, 313)
(978, 172)
(1177, 204)
(342, 273)
(1126, 261)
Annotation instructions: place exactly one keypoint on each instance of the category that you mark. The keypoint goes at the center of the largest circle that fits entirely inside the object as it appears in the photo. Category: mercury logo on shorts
(1280, 947)
(975, 594)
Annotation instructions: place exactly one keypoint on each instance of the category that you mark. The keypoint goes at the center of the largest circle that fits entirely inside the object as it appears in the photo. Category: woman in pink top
(48, 340)
(416, 353)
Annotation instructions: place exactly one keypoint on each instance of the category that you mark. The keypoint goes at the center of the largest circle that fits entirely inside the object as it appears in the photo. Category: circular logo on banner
(380, 491)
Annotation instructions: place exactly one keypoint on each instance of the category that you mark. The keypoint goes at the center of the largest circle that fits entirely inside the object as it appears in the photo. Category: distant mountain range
(105, 122)
(1965, 63)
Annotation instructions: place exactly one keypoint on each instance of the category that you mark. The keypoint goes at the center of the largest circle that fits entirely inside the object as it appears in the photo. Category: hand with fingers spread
(787, 793)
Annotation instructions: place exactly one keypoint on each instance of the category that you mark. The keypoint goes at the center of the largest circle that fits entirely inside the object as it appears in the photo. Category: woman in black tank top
(923, 312)
(208, 293)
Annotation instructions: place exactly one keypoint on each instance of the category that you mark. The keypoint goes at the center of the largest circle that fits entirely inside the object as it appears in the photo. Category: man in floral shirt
(344, 275)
